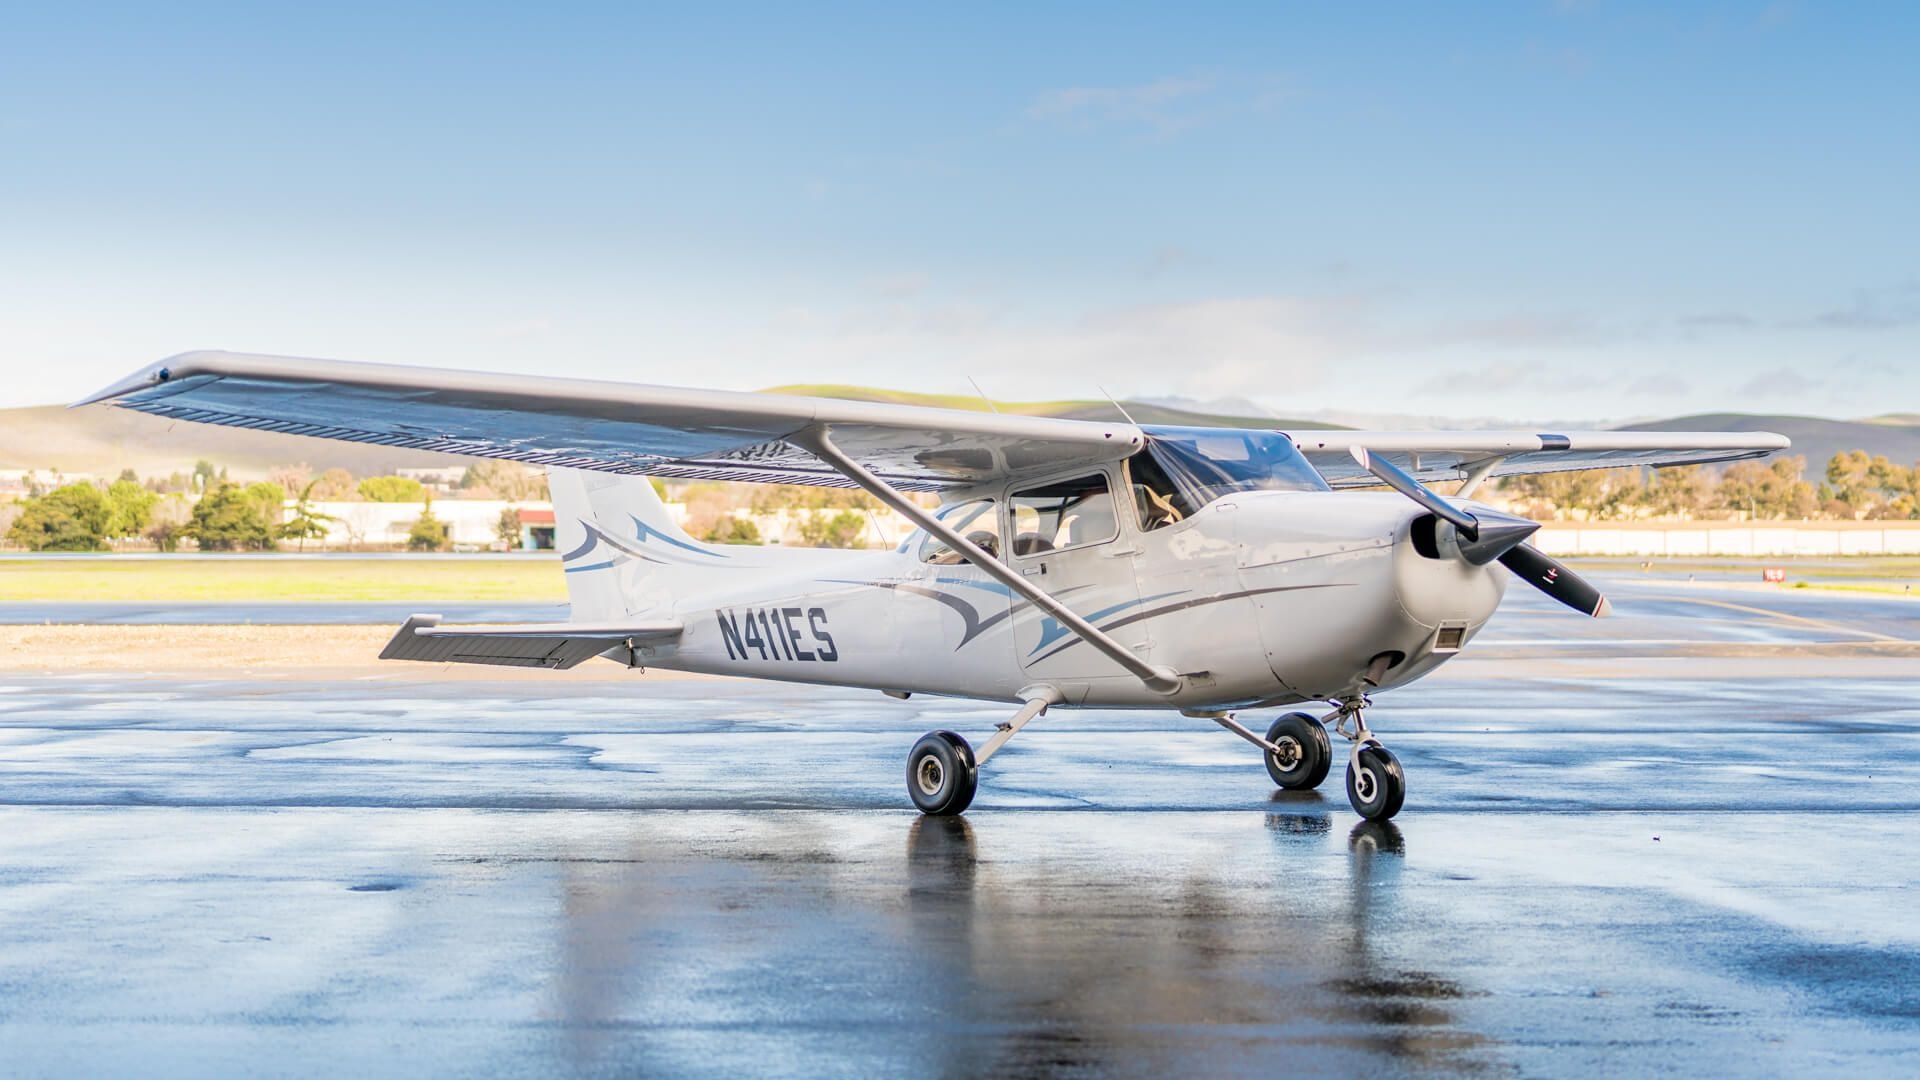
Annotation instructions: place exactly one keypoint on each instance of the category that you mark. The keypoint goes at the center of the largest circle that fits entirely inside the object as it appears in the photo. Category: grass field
(537, 579)
(532, 579)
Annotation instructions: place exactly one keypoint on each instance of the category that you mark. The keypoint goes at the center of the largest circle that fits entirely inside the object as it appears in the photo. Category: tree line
(1855, 486)
(220, 514)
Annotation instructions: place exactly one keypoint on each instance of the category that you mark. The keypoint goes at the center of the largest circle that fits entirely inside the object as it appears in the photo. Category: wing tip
(146, 378)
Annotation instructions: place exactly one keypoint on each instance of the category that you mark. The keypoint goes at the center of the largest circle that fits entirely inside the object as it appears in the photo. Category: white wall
(378, 524)
(472, 521)
(1759, 539)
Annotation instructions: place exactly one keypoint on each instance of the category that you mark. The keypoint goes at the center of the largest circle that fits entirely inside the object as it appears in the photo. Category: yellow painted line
(1802, 619)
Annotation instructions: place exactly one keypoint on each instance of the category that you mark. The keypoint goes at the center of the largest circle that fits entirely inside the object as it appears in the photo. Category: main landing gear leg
(1376, 786)
(943, 771)
(1296, 748)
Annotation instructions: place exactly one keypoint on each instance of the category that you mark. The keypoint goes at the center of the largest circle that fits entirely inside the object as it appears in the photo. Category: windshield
(1184, 469)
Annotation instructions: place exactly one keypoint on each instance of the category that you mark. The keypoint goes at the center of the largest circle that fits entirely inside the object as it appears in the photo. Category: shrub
(71, 518)
(392, 489)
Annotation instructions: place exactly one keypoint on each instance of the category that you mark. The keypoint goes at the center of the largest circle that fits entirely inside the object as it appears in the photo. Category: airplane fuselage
(1260, 598)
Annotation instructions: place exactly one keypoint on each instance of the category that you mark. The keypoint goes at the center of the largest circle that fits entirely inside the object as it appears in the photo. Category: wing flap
(536, 645)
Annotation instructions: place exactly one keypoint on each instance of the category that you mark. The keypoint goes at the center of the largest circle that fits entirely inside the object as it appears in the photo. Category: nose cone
(1498, 534)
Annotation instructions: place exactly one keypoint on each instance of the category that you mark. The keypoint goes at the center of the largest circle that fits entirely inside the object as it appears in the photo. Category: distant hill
(1815, 439)
(102, 441)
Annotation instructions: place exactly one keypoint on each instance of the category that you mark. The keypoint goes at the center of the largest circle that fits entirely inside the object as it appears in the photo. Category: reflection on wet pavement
(1090, 958)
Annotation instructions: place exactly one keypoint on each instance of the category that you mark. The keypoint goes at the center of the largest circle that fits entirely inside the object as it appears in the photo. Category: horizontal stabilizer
(540, 645)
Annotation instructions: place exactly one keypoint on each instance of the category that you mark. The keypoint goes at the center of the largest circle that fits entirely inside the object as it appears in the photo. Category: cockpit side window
(1156, 501)
(973, 519)
(1063, 514)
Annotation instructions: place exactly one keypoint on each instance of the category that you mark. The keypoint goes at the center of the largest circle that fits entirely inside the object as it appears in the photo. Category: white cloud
(1165, 105)
(1147, 101)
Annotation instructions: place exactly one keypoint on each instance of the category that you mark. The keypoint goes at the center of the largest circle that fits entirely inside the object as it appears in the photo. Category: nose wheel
(1376, 785)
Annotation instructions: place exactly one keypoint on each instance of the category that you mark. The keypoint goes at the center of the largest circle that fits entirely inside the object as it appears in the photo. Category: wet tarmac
(1680, 840)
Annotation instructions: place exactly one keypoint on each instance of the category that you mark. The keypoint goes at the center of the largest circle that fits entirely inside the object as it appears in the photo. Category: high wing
(1454, 455)
(691, 434)
(608, 426)
(541, 645)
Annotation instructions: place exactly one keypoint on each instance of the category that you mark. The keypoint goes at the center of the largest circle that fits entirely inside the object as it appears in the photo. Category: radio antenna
(1122, 408)
(983, 395)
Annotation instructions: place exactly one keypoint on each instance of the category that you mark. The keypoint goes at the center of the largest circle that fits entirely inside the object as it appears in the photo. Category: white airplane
(1069, 563)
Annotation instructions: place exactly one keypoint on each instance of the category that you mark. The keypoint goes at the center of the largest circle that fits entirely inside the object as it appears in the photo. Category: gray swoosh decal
(1185, 604)
(973, 624)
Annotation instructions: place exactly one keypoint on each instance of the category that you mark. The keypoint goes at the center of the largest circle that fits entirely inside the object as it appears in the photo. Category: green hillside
(1814, 438)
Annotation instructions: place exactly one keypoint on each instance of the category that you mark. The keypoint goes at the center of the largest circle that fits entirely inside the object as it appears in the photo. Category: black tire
(1305, 735)
(1380, 779)
(941, 774)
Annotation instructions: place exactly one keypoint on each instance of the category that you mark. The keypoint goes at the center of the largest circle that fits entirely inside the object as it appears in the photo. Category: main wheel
(1308, 755)
(941, 775)
(1376, 787)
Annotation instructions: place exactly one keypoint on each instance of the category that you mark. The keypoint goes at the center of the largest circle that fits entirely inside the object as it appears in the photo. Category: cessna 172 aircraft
(1069, 563)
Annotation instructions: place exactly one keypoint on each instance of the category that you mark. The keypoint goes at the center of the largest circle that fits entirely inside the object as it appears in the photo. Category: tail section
(623, 554)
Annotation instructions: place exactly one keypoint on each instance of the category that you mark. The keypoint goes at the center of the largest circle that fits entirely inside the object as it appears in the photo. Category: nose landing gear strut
(1376, 786)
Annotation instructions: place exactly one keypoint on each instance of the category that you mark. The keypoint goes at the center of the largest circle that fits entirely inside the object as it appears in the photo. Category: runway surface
(1678, 840)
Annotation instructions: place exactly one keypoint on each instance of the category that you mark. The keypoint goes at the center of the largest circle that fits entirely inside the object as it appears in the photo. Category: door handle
(1036, 571)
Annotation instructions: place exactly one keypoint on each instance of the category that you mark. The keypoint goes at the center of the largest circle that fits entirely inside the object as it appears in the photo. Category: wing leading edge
(607, 426)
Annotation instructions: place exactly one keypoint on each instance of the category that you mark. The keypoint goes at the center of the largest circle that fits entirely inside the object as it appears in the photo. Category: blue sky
(1545, 210)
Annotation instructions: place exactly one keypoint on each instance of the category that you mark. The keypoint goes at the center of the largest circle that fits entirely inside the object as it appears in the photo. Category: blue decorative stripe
(1051, 630)
(644, 530)
(595, 566)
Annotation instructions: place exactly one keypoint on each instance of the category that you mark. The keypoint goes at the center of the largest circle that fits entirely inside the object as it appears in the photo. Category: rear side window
(972, 519)
(1063, 514)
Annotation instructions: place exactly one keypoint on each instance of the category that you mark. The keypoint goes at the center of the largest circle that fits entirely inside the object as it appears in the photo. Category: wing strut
(1161, 680)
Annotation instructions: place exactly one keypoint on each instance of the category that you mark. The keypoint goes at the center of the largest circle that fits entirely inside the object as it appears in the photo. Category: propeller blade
(1543, 572)
(1399, 480)
(1484, 537)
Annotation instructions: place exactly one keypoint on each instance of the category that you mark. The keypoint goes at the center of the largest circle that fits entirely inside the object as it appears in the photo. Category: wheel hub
(1288, 756)
(1365, 785)
(929, 775)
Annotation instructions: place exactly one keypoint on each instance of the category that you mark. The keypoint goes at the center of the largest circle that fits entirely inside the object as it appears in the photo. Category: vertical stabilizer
(622, 552)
